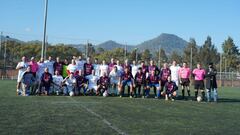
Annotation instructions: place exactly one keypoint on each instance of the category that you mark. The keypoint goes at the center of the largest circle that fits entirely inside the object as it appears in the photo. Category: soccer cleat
(130, 96)
(120, 96)
(143, 97)
(155, 97)
(173, 99)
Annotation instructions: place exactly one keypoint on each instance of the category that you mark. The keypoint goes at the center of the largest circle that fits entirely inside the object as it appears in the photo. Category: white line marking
(109, 124)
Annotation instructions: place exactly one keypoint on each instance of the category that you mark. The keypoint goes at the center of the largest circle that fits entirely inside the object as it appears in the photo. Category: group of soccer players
(91, 77)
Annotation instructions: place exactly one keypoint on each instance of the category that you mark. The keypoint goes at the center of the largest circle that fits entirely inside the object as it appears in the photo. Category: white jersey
(92, 81)
(57, 79)
(41, 67)
(21, 70)
(114, 76)
(70, 81)
(97, 69)
(120, 68)
(174, 73)
(103, 68)
(80, 64)
(72, 68)
(49, 65)
(134, 70)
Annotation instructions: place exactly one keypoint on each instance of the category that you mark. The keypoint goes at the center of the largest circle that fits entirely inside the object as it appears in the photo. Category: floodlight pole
(44, 30)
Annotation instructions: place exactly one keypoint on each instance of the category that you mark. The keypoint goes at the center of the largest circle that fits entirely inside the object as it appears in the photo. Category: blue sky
(124, 21)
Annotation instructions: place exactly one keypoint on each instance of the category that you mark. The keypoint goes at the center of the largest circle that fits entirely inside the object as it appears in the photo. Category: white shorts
(94, 87)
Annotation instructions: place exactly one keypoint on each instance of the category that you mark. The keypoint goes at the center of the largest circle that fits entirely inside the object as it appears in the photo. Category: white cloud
(28, 29)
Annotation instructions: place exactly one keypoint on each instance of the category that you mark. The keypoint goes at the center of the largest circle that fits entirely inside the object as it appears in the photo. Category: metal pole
(1, 42)
(191, 61)
(220, 69)
(136, 55)
(44, 29)
(5, 56)
(125, 52)
(159, 56)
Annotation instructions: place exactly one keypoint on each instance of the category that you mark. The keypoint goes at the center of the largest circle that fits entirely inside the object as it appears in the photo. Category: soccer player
(174, 74)
(170, 89)
(119, 67)
(211, 83)
(96, 67)
(103, 68)
(199, 75)
(152, 67)
(34, 66)
(88, 67)
(144, 68)
(72, 68)
(165, 72)
(139, 82)
(49, 64)
(46, 81)
(126, 79)
(65, 65)
(111, 65)
(153, 80)
(81, 83)
(58, 82)
(127, 65)
(184, 74)
(21, 67)
(92, 82)
(103, 84)
(70, 84)
(80, 63)
(58, 65)
(28, 81)
(115, 76)
(134, 68)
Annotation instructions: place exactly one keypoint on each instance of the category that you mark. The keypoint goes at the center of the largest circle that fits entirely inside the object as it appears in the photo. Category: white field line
(109, 124)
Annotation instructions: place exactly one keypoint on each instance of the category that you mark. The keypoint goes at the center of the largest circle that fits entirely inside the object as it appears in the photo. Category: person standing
(211, 83)
(184, 77)
(199, 75)
(174, 74)
(21, 67)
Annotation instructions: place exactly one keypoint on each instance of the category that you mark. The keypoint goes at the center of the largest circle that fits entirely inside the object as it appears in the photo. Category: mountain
(110, 45)
(168, 42)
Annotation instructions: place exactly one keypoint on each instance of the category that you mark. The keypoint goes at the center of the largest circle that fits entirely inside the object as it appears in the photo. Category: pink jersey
(184, 72)
(34, 66)
(199, 74)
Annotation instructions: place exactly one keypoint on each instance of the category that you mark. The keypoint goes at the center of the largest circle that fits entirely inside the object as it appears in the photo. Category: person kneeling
(70, 83)
(103, 84)
(170, 89)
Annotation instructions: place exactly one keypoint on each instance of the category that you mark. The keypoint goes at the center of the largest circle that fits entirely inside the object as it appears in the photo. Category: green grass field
(114, 115)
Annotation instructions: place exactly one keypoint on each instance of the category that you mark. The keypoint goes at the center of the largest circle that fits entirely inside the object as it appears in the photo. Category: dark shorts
(185, 81)
(163, 82)
(199, 85)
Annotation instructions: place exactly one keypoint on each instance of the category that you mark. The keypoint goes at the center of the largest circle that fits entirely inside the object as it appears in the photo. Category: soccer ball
(71, 94)
(105, 94)
(199, 98)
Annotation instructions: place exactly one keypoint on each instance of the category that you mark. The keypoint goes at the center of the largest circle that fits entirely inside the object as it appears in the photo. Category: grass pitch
(114, 115)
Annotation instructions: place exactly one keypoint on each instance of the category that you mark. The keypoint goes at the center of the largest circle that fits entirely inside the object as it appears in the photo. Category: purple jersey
(127, 76)
(153, 68)
(153, 79)
(80, 80)
(88, 69)
(58, 66)
(104, 81)
(144, 69)
(165, 72)
(127, 66)
(170, 87)
(139, 78)
(111, 66)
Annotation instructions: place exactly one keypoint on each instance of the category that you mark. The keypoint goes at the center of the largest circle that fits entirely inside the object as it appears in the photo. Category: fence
(224, 79)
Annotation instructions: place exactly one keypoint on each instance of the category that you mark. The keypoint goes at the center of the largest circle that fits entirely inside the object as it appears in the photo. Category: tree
(208, 53)
(231, 54)
(146, 55)
(192, 45)
(175, 56)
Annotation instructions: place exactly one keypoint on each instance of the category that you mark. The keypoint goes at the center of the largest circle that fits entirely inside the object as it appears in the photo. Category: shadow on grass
(228, 100)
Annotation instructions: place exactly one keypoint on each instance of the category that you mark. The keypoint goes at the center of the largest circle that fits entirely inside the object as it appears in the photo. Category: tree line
(207, 52)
